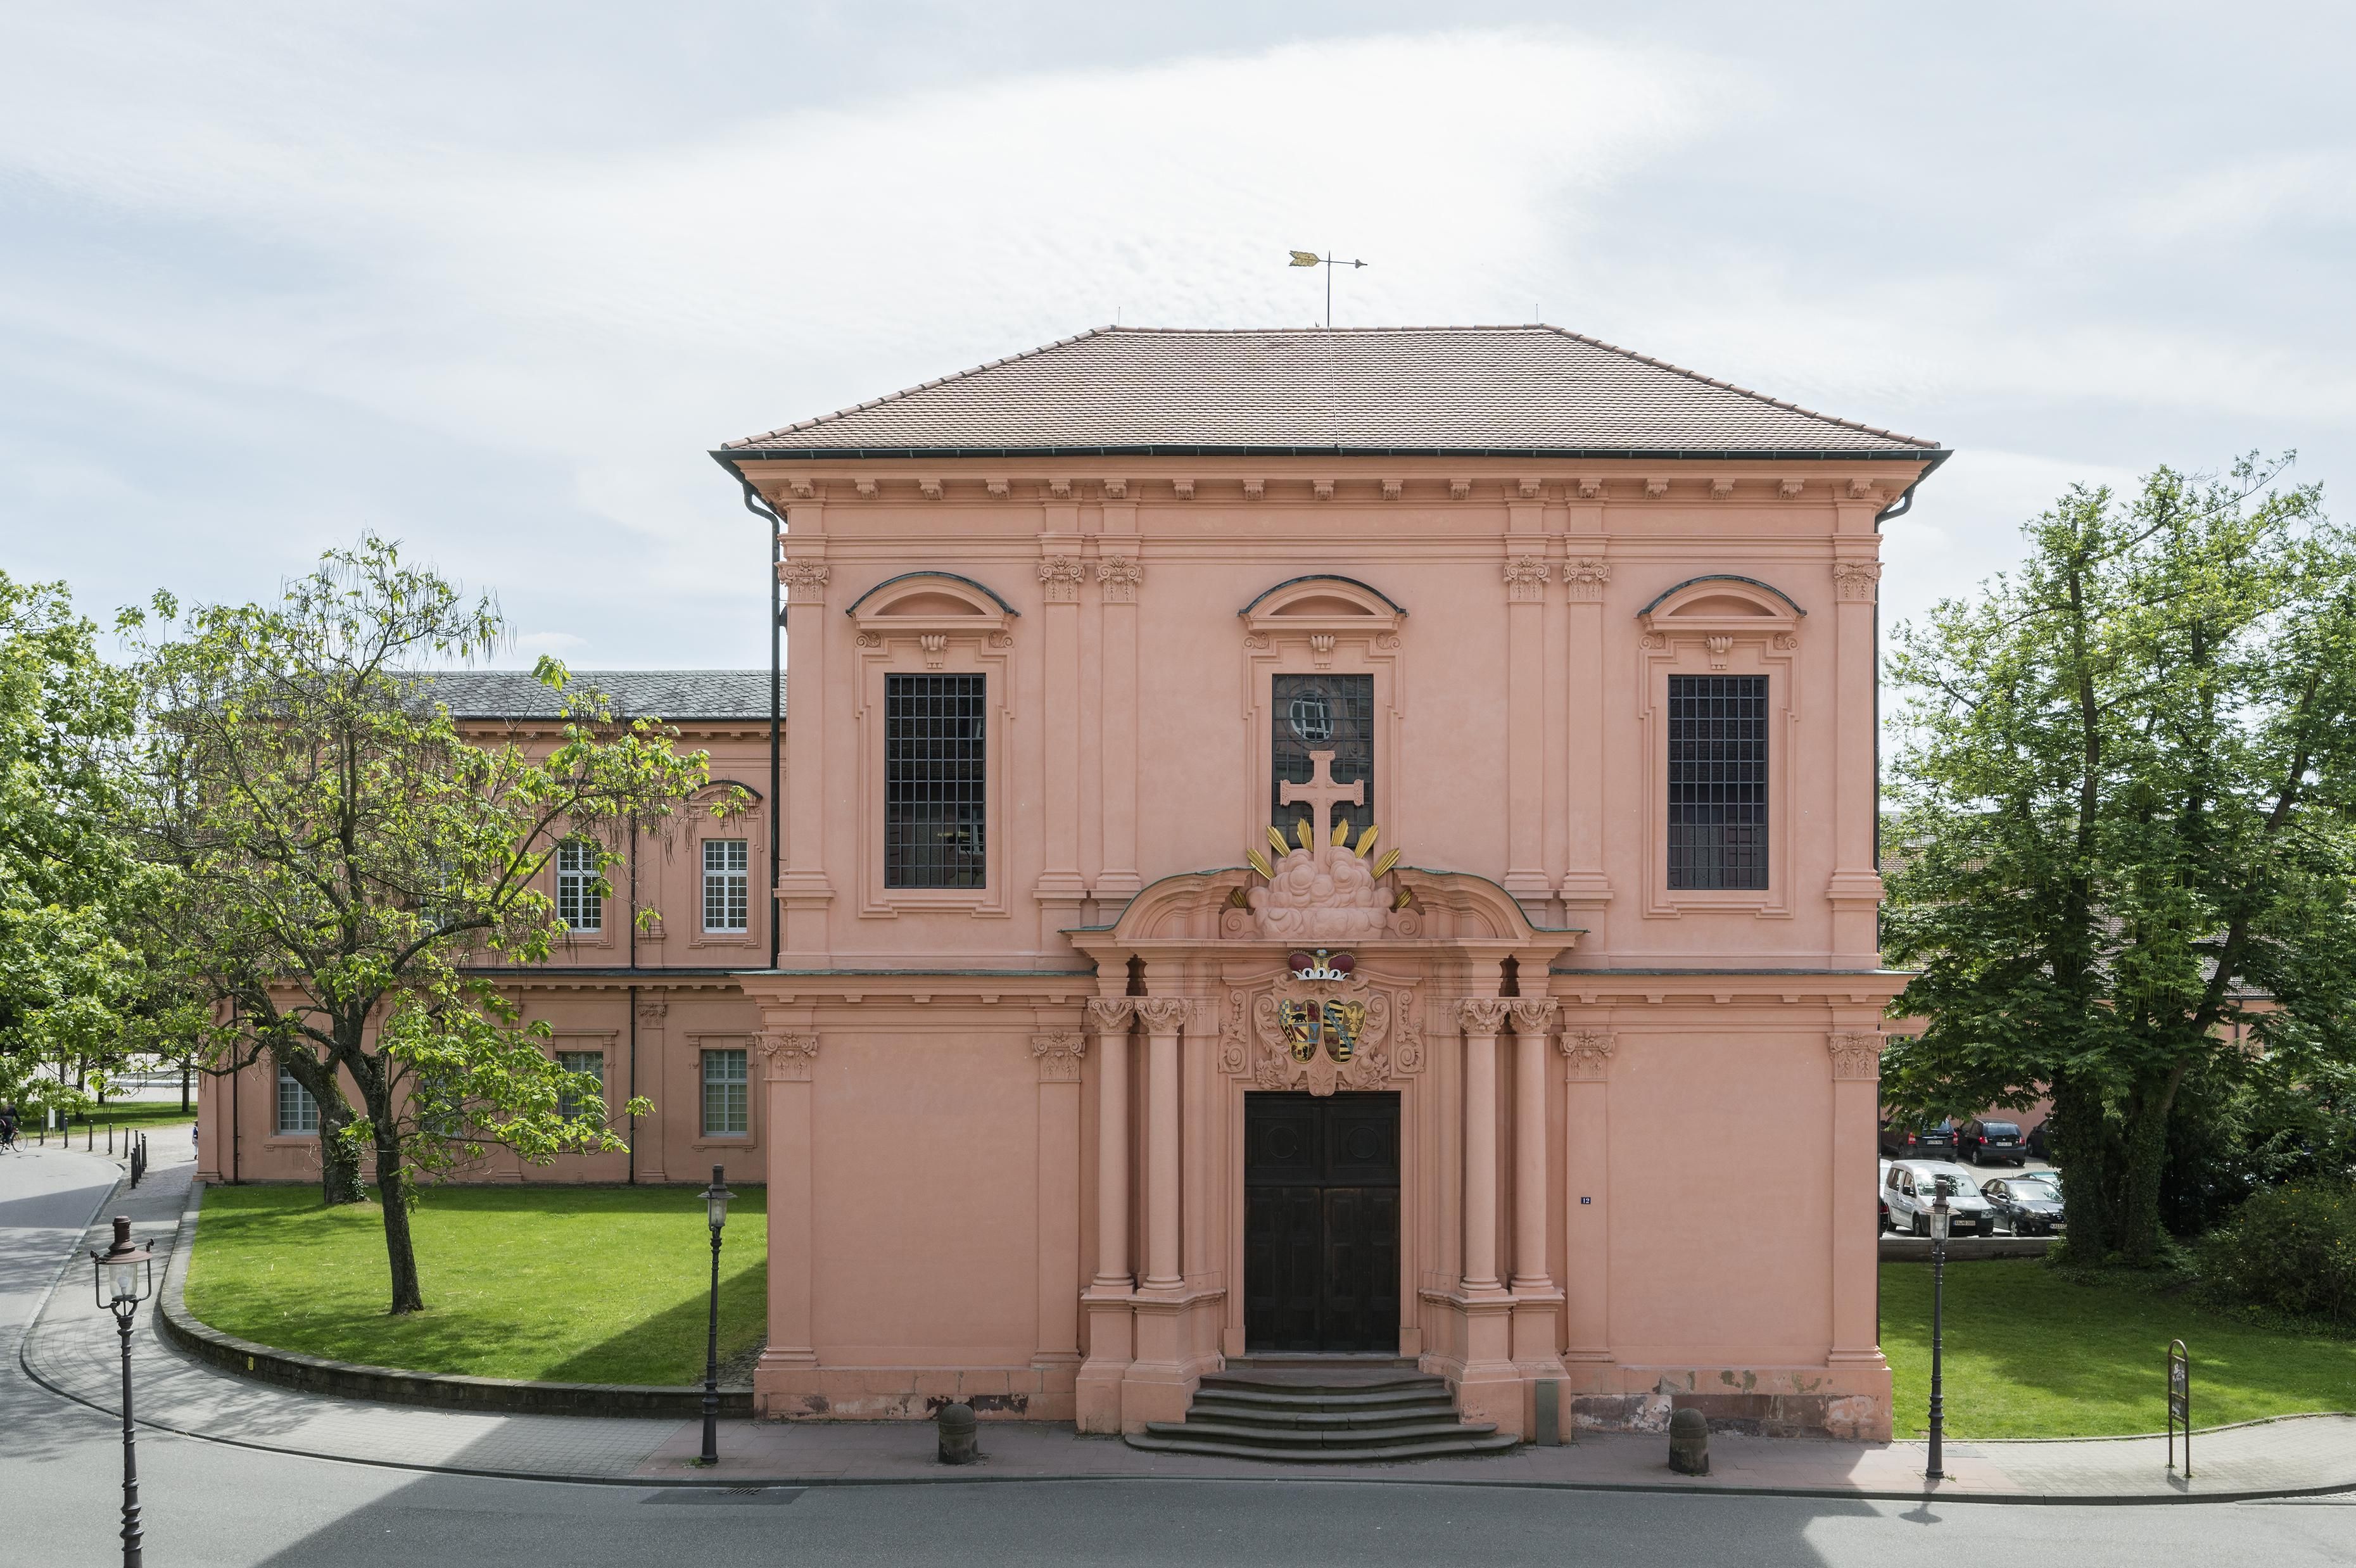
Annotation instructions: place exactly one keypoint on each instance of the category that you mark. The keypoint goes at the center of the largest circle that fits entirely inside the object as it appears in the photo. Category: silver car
(1913, 1184)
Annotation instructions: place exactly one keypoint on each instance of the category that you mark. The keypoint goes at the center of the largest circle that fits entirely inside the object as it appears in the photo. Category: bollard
(1548, 1401)
(110, 1137)
(959, 1443)
(1689, 1443)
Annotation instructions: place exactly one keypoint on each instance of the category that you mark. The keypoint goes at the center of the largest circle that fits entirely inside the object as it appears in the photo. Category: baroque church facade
(1307, 844)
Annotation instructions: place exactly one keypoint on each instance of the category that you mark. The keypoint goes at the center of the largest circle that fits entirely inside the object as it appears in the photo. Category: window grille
(570, 1105)
(934, 808)
(1717, 780)
(727, 896)
(580, 896)
(1321, 713)
(297, 1112)
(723, 1094)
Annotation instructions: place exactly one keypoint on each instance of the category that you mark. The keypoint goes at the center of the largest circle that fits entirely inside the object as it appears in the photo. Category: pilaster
(1060, 888)
(1488, 1386)
(1119, 578)
(789, 1064)
(1587, 1155)
(804, 891)
(1108, 1299)
(1058, 1053)
(1527, 572)
(1585, 888)
(1854, 889)
(647, 1140)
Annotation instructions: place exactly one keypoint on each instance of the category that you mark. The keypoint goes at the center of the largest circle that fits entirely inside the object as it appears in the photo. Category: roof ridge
(928, 386)
(1740, 390)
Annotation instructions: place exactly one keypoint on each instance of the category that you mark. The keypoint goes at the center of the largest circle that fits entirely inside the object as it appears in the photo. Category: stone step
(1435, 1448)
(1227, 1386)
(1367, 1434)
(1210, 1408)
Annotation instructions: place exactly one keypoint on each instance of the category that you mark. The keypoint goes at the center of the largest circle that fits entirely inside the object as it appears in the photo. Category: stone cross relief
(1322, 892)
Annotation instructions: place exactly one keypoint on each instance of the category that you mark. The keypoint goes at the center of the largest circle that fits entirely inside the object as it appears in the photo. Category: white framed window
(580, 896)
(727, 892)
(572, 1106)
(298, 1114)
(726, 1102)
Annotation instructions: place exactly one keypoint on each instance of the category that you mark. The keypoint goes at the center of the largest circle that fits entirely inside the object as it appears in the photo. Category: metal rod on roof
(1312, 259)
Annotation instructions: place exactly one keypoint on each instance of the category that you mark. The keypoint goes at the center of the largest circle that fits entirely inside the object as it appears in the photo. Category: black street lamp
(1936, 1470)
(125, 1277)
(715, 1204)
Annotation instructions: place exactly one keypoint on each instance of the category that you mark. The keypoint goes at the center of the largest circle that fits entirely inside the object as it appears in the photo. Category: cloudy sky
(493, 278)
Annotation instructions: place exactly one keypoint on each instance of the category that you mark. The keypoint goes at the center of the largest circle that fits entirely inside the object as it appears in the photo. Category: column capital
(1534, 1015)
(1856, 1055)
(1163, 1014)
(1058, 1053)
(1588, 1053)
(1481, 1015)
(1110, 1015)
(791, 1056)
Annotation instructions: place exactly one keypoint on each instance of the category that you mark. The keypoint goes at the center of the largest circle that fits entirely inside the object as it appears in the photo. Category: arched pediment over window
(1321, 604)
(930, 596)
(1722, 602)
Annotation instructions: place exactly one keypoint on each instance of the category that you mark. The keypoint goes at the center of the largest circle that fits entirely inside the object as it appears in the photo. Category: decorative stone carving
(1276, 1065)
(1525, 578)
(1786, 641)
(930, 488)
(1459, 489)
(1860, 489)
(1656, 486)
(1587, 1054)
(1061, 574)
(1322, 488)
(1000, 488)
(805, 580)
(1534, 1015)
(1110, 1015)
(1411, 1033)
(1856, 1055)
(1482, 1015)
(1721, 487)
(1059, 489)
(651, 1011)
(1721, 648)
(1058, 1053)
(1531, 489)
(1392, 488)
(1254, 489)
(791, 1056)
(868, 640)
(1386, 640)
(1321, 649)
(802, 489)
(1586, 579)
(866, 487)
(1256, 640)
(1855, 578)
(1184, 488)
(1116, 489)
(1001, 639)
(1790, 488)
(1591, 490)
(1235, 1042)
(1653, 642)
(1163, 1014)
(936, 645)
(1119, 576)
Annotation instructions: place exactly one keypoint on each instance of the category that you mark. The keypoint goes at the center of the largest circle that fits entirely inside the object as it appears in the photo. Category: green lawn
(569, 1283)
(150, 1117)
(2030, 1354)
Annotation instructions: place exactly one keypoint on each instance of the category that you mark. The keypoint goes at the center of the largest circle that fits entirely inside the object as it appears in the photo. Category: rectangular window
(570, 1107)
(579, 899)
(725, 891)
(1717, 780)
(297, 1112)
(1321, 713)
(724, 1094)
(933, 804)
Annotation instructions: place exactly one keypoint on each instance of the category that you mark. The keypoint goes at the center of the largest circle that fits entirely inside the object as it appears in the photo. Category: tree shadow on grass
(668, 1347)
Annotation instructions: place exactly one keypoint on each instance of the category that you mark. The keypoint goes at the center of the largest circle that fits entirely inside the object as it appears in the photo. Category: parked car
(2039, 1140)
(1981, 1141)
(1912, 1185)
(2028, 1204)
(1904, 1139)
(1881, 1198)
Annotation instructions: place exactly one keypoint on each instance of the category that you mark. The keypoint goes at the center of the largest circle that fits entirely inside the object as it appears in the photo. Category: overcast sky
(493, 278)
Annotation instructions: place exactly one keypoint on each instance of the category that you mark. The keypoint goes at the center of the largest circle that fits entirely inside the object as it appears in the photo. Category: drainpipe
(631, 1092)
(760, 508)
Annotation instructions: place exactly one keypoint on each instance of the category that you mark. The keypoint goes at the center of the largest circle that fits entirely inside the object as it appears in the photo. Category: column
(1482, 1019)
(1058, 1053)
(1856, 1248)
(1533, 1021)
(1587, 1251)
(1585, 886)
(1097, 1397)
(790, 1058)
(1119, 576)
(1060, 888)
(1525, 578)
(804, 891)
(1163, 1017)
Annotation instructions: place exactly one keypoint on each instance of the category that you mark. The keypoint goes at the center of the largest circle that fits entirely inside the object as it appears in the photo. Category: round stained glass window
(1312, 716)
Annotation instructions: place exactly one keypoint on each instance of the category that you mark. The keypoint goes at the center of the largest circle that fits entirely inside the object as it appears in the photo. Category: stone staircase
(1353, 1411)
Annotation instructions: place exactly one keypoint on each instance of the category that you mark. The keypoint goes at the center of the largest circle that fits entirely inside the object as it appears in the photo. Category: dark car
(1980, 1142)
(2038, 1141)
(2030, 1205)
(1903, 1139)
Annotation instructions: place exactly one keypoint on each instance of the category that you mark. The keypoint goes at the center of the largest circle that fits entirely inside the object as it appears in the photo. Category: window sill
(724, 1140)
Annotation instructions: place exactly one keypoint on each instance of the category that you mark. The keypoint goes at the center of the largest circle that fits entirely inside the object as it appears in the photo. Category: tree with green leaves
(2124, 851)
(73, 991)
(351, 875)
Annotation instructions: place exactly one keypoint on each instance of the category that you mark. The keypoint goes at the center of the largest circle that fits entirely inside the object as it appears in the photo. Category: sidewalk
(72, 1348)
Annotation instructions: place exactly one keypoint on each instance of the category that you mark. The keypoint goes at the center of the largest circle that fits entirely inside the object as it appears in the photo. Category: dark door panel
(1321, 1223)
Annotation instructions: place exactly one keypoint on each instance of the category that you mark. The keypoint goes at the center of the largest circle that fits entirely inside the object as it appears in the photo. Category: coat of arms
(1322, 1026)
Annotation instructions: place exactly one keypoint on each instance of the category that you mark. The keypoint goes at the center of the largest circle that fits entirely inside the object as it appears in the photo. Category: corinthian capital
(1534, 1015)
(1163, 1014)
(1482, 1015)
(1110, 1015)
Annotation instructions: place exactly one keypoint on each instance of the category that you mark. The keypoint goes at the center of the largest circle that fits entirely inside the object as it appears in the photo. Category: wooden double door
(1321, 1223)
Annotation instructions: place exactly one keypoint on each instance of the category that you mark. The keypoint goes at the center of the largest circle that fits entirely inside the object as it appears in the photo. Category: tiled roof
(670, 693)
(1504, 391)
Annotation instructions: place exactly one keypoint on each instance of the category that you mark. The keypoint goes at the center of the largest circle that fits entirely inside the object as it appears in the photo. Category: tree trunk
(339, 1162)
(2078, 1152)
(2145, 1154)
(400, 1250)
(184, 1088)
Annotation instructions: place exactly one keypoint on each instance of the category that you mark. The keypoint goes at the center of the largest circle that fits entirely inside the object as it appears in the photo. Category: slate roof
(670, 693)
(1469, 390)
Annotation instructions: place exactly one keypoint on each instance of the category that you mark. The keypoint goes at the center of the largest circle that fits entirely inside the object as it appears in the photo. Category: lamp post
(715, 1205)
(1935, 1470)
(125, 1277)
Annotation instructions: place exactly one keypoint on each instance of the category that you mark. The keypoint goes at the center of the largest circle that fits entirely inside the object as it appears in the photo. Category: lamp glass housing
(715, 1204)
(1939, 1219)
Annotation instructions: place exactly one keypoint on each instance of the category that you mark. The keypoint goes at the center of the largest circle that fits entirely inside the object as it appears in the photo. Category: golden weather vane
(1312, 259)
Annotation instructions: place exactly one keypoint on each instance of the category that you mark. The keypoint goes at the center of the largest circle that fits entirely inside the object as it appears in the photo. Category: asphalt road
(209, 1504)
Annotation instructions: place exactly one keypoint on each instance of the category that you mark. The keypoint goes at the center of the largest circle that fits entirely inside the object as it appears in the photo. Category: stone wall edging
(393, 1385)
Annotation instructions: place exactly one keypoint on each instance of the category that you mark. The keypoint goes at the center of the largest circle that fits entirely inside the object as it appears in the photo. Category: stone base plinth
(913, 1393)
(1849, 1400)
